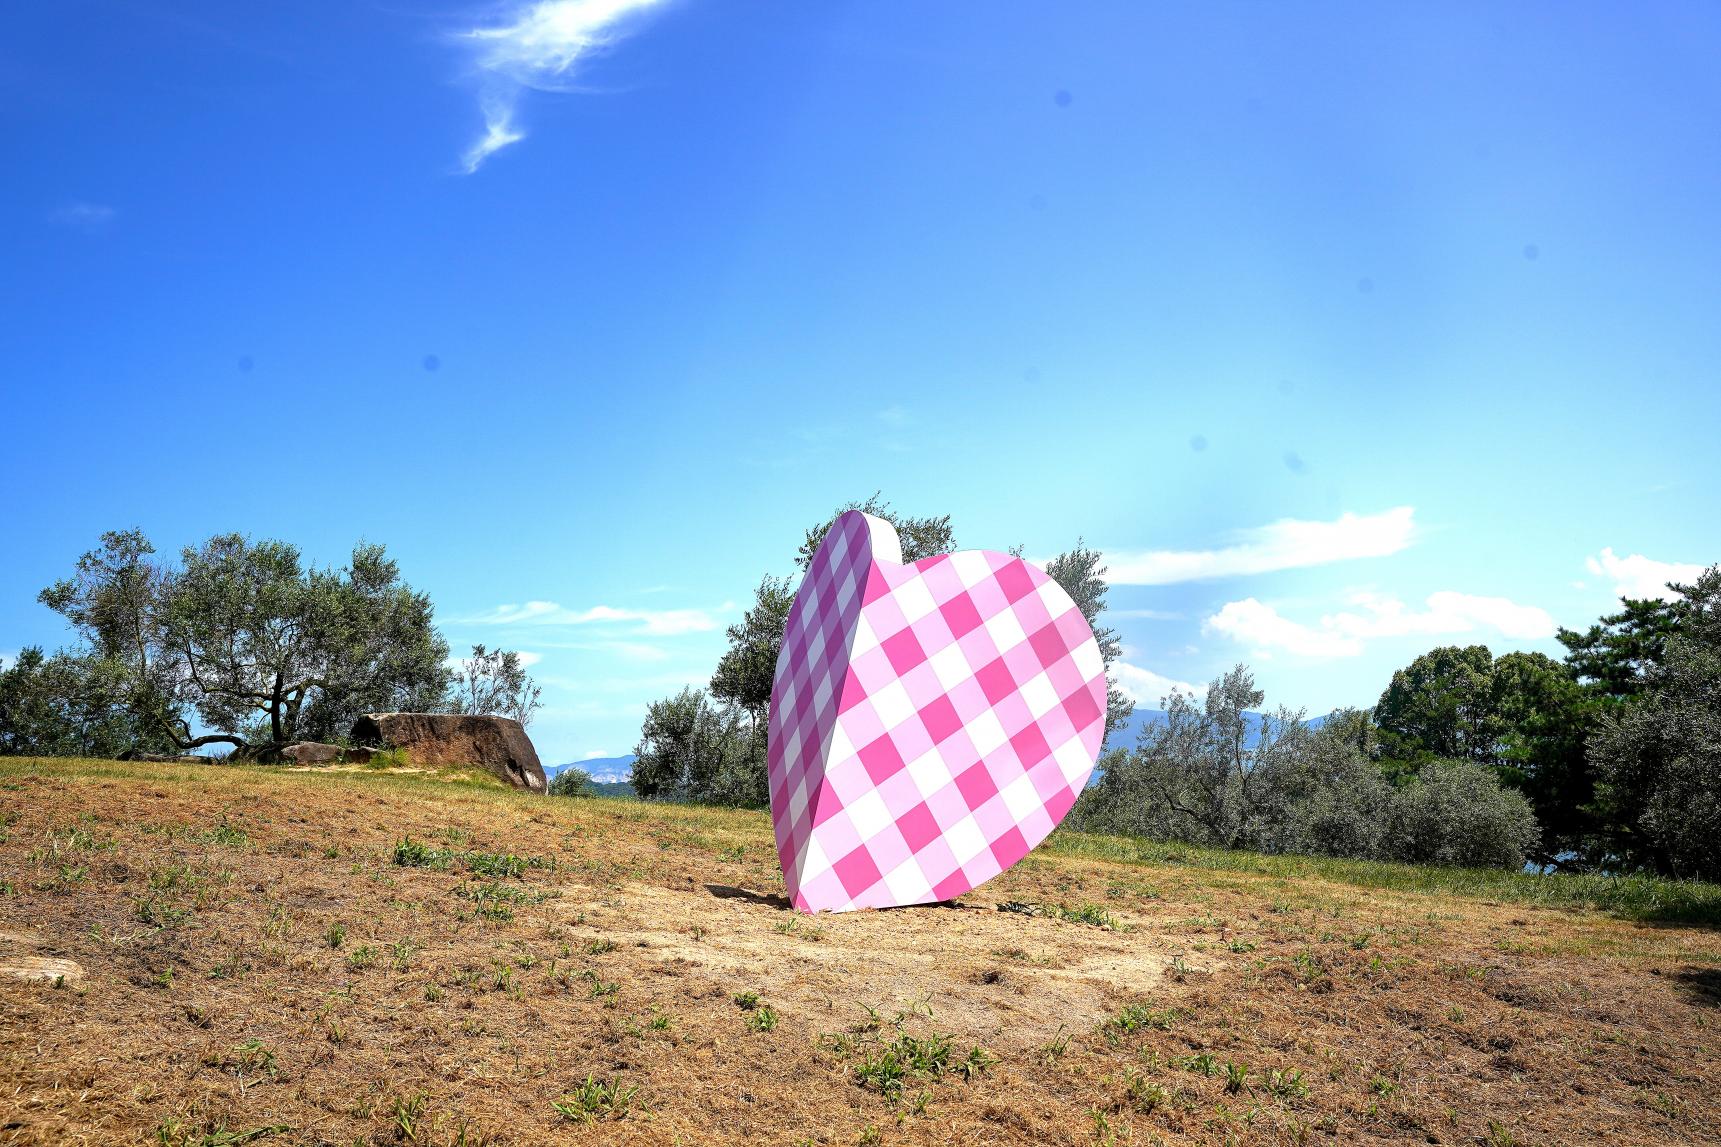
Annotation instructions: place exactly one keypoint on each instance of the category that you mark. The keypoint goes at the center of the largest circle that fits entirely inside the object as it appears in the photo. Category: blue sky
(1345, 332)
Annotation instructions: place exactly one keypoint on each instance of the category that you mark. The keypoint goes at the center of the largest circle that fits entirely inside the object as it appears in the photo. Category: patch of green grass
(1093, 915)
(887, 1069)
(976, 1061)
(762, 1018)
(173, 1133)
(410, 853)
(1499, 1135)
(1287, 1084)
(1140, 1017)
(600, 989)
(495, 864)
(228, 835)
(1143, 1094)
(159, 913)
(1202, 1063)
(596, 1099)
(408, 1115)
(1635, 897)
(495, 892)
(883, 1072)
(254, 1056)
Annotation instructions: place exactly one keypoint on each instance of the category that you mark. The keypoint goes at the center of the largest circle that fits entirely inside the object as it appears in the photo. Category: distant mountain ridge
(1127, 736)
(606, 770)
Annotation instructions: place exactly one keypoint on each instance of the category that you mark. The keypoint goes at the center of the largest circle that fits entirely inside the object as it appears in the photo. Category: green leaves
(307, 650)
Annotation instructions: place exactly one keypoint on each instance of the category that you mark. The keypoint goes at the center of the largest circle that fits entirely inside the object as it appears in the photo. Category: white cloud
(1343, 634)
(1642, 578)
(1447, 612)
(88, 216)
(1283, 545)
(1147, 688)
(653, 622)
(594, 754)
(1253, 623)
(499, 132)
(539, 47)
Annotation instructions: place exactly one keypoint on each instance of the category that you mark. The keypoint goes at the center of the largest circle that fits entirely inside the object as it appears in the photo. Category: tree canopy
(494, 682)
(920, 537)
(240, 637)
(1658, 752)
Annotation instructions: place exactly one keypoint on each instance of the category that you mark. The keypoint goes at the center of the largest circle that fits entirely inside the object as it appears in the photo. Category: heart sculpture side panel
(930, 723)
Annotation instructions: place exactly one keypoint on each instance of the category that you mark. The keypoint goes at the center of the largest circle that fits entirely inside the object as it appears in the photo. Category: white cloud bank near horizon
(538, 47)
(1290, 543)
(1641, 578)
(1147, 688)
(1345, 634)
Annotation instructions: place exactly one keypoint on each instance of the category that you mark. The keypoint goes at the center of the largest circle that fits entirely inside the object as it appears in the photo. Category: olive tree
(494, 682)
(1456, 813)
(920, 537)
(70, 705)
(747, 669)
(114, 603)
(1206, 775)
(571, 782)
(691, 750)
(274, 652)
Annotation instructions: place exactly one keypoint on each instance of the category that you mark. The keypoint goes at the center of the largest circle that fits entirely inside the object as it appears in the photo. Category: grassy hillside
(243, 955)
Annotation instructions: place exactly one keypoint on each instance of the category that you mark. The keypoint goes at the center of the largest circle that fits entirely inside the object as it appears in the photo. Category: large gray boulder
(498, 745)
(310, 753)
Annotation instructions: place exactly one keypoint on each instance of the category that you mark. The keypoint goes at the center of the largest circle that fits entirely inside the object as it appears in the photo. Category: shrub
(571, 782)
(1658, 758)
(1455, 813)
(1342, 806)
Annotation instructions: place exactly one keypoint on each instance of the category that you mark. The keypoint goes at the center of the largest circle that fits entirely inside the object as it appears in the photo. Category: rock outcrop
(310, 753)
(498, 745)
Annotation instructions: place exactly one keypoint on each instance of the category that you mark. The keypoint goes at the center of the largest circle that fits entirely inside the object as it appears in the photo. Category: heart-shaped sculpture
(930, 723)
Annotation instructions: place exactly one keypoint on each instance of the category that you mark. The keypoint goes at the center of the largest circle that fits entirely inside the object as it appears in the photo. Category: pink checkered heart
(930, 723)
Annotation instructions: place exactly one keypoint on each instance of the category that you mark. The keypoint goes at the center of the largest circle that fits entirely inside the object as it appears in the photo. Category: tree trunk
(275, 711)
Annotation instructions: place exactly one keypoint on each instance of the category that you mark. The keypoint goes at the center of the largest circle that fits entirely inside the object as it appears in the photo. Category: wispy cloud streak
(1344, 634)
(1288, 544)
(539, 47)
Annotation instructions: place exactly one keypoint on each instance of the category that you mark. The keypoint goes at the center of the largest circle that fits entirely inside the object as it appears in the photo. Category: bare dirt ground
(223, 956)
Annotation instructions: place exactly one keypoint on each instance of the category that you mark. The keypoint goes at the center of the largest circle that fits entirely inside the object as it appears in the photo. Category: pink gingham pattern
(930, 723)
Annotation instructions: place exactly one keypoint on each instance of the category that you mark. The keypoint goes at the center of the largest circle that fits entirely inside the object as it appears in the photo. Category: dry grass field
(228, 956)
